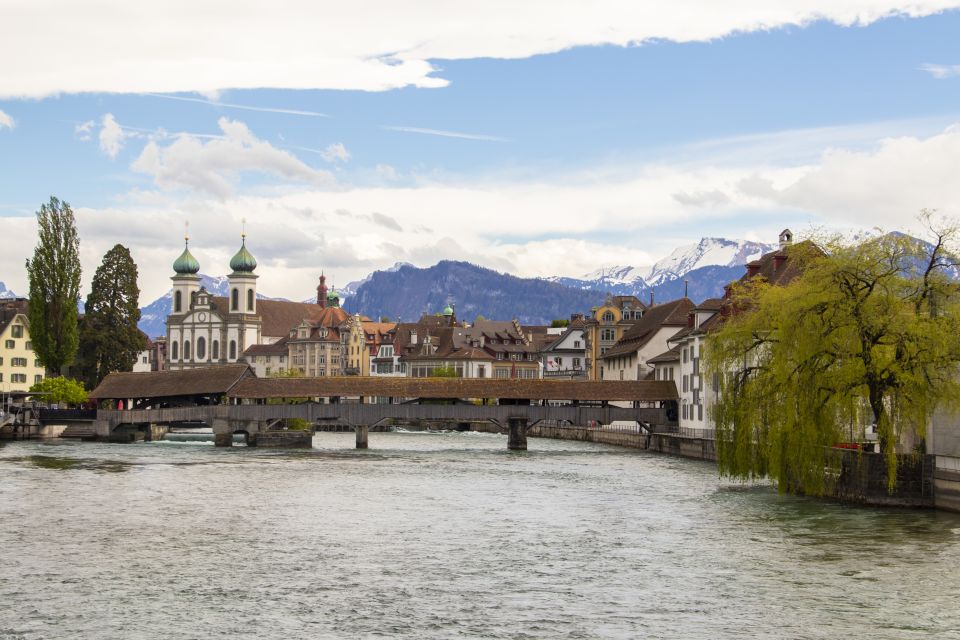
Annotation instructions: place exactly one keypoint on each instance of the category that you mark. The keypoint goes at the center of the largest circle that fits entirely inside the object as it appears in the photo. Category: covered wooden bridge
(255, 406)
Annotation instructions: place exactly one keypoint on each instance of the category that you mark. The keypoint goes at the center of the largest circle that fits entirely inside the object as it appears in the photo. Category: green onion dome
(186, 263)
(243, 262)
(448, 310)
(333, 298)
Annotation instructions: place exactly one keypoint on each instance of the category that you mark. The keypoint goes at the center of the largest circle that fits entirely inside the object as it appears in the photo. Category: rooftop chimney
(651, 297)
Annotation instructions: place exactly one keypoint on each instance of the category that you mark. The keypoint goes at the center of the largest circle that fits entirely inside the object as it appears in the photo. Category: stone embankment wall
(673, 444)
(863, 479)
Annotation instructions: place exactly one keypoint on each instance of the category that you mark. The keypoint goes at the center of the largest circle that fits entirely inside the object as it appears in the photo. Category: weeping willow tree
(866, 334)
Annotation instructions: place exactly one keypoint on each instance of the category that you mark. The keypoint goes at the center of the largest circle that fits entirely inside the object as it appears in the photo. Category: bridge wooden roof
(202, 381)
(446, 388)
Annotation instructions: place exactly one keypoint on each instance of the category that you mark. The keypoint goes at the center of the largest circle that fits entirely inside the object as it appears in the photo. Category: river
(441, 535)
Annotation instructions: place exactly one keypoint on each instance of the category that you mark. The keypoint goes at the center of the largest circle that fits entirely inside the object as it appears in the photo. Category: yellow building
(19, 367)
(607, 324)
(360, 341)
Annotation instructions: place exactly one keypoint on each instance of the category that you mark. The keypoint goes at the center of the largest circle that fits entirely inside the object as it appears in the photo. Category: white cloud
(445, 134)
(883, 186)
(6, 121)
(210, 165)
(310, 45)
(211, 100)
(387, 172)
(334, 152)
(112, 136)
(942, 71)
(84, 129)
(558, 224)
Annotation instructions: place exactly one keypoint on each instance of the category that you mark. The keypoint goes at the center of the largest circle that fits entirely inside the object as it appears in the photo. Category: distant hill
(407, 292)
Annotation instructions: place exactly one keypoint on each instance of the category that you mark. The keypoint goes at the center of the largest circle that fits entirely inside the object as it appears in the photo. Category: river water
(448, 535)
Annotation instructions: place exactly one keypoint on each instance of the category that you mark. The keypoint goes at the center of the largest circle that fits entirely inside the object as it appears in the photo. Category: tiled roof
(780, 267)
(278, 348)
(672, 355)
(277, 317)
(536, 389)
(202, 381)
(668, 314)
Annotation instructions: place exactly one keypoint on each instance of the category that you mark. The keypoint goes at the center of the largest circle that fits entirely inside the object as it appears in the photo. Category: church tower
(186, 282)
(243, 322)
(322, 292)
(243, 282)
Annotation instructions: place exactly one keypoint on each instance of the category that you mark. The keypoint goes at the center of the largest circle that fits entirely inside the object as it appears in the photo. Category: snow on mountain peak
(6, 293)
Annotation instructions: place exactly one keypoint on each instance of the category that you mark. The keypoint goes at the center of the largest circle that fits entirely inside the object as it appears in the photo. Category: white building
(205, 330)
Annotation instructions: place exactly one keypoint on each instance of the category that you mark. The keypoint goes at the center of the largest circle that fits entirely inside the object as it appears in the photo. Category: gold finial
(243, 228)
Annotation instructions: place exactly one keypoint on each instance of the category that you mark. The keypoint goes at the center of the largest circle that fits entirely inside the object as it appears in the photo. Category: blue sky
(530, 159)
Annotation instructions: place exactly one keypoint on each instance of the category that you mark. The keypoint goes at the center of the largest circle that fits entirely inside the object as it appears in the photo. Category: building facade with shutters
(19, 367)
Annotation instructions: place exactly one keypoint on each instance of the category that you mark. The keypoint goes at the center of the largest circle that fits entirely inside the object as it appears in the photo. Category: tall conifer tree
(109, 337)
(54, 275)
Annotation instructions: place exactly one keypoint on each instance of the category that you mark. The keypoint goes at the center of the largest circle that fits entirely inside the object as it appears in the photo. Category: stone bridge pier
(225, 428)
(517, 434)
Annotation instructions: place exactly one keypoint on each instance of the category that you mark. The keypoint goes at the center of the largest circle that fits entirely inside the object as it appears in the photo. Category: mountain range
(404, 292)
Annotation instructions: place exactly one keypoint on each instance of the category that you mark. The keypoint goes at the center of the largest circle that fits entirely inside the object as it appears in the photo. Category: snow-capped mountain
(639, 280)
(6, 293)
(708, 252)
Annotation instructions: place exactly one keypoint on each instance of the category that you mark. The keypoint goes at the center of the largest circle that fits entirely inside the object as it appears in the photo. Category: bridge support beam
(363, 434)
(517, 436)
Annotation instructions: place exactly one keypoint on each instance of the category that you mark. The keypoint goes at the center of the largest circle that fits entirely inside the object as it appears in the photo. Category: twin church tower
(206, 330)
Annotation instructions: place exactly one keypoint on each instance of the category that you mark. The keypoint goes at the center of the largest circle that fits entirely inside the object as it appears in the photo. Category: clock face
(202, 317)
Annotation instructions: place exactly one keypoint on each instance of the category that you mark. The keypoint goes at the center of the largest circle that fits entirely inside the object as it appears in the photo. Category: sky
(539, 138)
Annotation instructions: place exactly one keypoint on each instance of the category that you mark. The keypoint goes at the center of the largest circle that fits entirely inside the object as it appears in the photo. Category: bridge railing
(369, 414)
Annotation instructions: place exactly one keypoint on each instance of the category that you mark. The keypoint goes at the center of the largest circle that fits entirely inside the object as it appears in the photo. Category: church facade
(205, 330)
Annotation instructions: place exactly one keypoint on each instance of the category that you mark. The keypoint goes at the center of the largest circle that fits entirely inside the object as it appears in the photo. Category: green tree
(293, 424)
(54, 276)
(560, 323)
(444, 372)
(867, 334)
(109, 337)
(57, 390)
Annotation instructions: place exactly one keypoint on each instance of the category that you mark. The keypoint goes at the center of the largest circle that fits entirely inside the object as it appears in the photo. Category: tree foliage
(444, 372)
(61, 390)
(54, 276)
(867, 334)
(109, 337)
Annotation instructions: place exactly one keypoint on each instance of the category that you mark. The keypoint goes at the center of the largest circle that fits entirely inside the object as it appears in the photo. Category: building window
(576, 363)
(249, 299)
(576, 344)
(683, 411)
(201, 348)
(608, 335)
(481, 371)
(233, 348)
(10, 344)
(502, 372)
(28, 345)
(16, 331)
(173, 351)
(608, 317)
(18, 362)
(186, 349)
(177, 301)
(37, 378)
(18, 377)
(686, 383)
(235, 300)
(215, 350)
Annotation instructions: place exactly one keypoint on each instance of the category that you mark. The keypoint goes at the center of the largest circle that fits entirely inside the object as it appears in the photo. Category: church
(205, 330)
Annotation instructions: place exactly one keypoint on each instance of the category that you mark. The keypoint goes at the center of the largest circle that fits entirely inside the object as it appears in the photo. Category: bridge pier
(363, 434)
(517, 437)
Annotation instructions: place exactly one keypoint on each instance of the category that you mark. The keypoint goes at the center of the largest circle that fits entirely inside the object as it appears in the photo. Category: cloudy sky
(545, 137)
